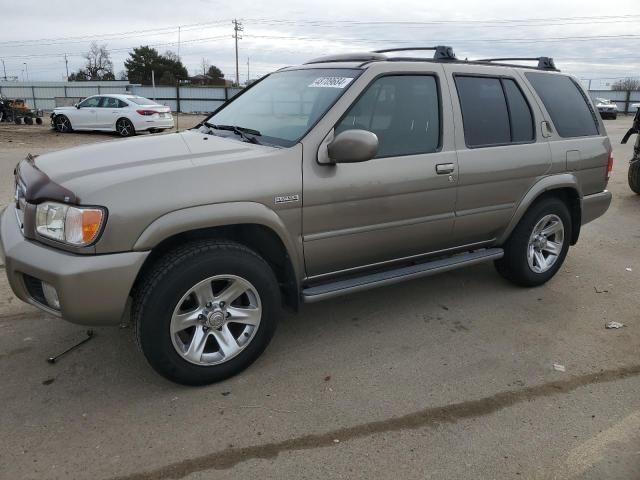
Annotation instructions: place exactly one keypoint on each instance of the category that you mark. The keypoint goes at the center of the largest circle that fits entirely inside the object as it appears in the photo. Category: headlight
(72, 225)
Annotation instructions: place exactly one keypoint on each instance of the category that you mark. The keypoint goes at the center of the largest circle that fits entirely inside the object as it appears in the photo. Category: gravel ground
(448, 377)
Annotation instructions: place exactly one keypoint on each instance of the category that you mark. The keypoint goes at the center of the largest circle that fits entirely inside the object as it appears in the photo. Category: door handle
(445, 168)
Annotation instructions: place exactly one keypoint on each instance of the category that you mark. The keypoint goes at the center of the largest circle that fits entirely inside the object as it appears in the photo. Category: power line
(114, 34)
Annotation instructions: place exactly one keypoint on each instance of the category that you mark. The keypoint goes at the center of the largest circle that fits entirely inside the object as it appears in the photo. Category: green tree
(143, 60)
(216, 76)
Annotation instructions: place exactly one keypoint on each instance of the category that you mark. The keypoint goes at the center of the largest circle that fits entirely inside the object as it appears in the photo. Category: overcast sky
(284, 32)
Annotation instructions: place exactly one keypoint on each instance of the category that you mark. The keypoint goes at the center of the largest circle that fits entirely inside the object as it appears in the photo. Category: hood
(64, 109)
(88, 169)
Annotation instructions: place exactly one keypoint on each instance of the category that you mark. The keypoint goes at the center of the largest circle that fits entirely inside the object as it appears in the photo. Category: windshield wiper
(240, 131)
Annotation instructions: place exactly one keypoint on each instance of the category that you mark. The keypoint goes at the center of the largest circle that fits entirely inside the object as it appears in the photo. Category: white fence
(48, 95)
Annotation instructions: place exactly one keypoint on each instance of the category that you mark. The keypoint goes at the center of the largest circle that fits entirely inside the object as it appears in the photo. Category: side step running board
(389, 277)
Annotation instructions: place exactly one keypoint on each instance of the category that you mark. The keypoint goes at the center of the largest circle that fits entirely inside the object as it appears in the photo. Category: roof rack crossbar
(441, 52)
(544, 63)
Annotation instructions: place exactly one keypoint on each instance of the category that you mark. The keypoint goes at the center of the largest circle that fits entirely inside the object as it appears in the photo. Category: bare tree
(626, 84)
(204, 64)
(98, 64)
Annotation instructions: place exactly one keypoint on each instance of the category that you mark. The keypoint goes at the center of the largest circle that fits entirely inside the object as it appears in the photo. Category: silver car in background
(607, 108)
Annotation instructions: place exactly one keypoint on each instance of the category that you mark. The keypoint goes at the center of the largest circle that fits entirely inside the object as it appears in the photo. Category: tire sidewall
(132, 130)
(515, 265)
(155, 318)
(634, 176)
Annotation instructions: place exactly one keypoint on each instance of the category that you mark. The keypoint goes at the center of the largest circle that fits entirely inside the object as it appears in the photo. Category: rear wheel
(206, 311)
(28, 120)
(538, 245)
(62, 124)
(634, 176)
(125, 128)
(39, 121)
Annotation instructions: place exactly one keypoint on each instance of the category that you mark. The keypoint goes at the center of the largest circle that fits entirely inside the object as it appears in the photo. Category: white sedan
(124, 114)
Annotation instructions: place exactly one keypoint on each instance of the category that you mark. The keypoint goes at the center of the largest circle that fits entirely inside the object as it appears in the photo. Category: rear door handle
(445, 168)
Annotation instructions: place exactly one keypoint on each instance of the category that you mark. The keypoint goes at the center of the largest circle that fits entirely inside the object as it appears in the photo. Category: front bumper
(92, 289)
(594, 206)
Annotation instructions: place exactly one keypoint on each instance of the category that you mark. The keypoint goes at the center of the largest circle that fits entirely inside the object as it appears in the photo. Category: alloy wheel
(215, 320)
(545, 243)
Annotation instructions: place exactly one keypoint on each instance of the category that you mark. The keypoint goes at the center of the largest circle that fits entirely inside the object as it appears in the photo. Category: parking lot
(446, 377)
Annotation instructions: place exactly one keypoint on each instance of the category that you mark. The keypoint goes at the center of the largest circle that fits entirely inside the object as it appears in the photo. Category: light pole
(4, 68)
(26, 70)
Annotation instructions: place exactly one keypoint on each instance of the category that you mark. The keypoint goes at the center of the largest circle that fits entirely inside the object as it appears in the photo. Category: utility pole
(248, 76)
(178, 42)
(237, 27)
(4, 68)
(66, 64)
(26, 69)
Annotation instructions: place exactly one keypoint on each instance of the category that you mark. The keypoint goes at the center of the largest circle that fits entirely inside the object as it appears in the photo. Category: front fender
(223, 214)
(554, 182)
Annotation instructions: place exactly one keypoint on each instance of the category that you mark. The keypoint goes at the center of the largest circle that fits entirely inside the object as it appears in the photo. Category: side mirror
(76, 105)
(353, 146)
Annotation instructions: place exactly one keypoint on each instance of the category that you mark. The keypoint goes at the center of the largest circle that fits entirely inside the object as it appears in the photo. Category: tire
(28, 120)
(62, 124)
(39, 121)
(164, 291)
(124, 127)
(634, 176)
(17, 120)
(524, 269)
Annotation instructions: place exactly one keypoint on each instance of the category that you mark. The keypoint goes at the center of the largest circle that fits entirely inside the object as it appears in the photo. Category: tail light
(147, 113)
(609, 165)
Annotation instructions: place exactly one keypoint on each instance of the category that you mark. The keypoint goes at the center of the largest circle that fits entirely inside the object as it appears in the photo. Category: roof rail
(544, 63)
(441, 52)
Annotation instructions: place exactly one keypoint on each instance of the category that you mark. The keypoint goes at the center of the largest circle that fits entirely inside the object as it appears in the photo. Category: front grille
(34, 288)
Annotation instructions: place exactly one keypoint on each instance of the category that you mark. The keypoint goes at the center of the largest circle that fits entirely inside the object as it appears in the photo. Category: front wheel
(538, 245)
(62, 124)
(206, 311)
(125, 128)
(634, 176)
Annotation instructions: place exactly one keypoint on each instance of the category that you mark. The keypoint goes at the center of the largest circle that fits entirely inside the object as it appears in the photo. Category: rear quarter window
(570, 113)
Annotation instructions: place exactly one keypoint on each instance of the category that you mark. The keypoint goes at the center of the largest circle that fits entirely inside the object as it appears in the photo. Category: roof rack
(349, 57)
(544, 63)
(441, 52)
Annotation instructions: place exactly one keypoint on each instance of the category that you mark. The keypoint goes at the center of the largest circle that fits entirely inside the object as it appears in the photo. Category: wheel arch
(563, 186)
(250, 225)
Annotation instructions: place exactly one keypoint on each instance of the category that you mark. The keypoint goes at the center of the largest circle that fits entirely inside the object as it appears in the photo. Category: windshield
(285, 105)
(142, 101)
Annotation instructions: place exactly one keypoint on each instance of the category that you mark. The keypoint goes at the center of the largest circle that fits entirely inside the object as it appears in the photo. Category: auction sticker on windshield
(331, 82)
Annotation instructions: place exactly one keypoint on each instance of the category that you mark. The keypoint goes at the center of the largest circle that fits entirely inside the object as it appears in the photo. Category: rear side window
(519, 112)
(566, 104)
(494, 111)
(402, 110)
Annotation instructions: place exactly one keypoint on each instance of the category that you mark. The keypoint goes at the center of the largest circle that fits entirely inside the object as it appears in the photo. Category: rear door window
(494, 111)
(569, 110)
(484, 111)
(519, 112)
